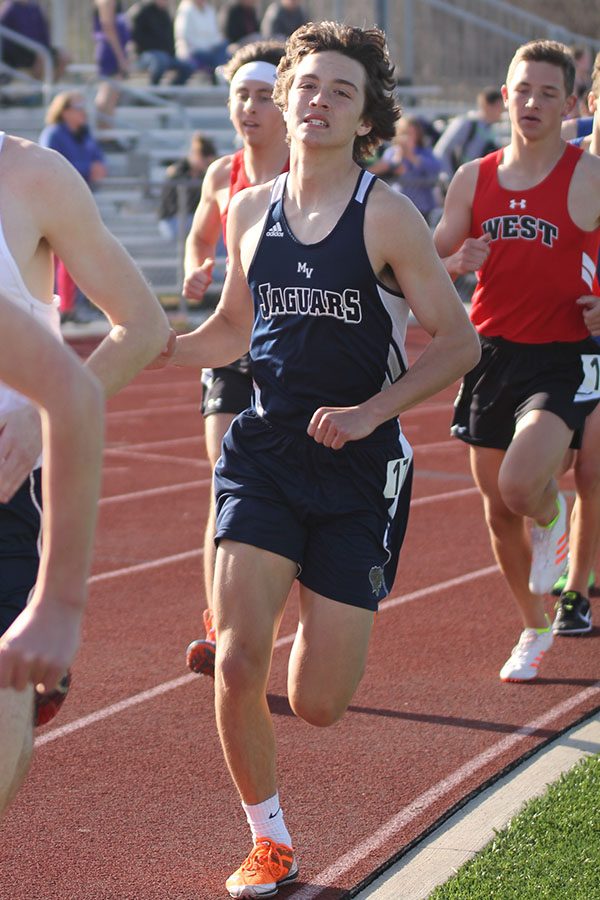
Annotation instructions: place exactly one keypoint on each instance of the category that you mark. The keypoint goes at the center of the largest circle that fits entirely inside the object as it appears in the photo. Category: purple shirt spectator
(28, 19)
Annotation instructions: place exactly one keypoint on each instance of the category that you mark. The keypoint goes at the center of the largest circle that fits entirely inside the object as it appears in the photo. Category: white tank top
(14, 289)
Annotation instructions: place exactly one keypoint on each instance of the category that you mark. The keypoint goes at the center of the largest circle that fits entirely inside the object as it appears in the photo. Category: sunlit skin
(254, 115)
(326, 100)
(534, 96)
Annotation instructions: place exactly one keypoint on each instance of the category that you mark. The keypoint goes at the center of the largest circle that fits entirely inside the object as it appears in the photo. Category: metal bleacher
(151, 129)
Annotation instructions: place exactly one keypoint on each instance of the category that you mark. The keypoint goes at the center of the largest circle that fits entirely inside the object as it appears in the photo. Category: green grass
(550, 851)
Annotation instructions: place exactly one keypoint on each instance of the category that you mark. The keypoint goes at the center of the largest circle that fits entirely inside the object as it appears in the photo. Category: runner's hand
(591, 313)
(335, 426)
(471, 255)
(40, 645)
(197, 282)
(165, 355)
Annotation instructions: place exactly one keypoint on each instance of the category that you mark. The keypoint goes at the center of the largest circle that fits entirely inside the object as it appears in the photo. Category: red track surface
(128, 796)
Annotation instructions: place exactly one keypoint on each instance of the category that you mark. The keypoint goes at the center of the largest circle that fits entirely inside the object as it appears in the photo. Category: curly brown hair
(366, 46)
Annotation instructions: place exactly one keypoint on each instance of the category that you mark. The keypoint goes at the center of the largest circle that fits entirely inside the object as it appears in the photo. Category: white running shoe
(550, 550)
(525, 658)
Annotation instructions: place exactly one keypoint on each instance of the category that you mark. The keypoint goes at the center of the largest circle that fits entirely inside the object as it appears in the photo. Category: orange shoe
(268, 867)
(47, 703)
(200, 655)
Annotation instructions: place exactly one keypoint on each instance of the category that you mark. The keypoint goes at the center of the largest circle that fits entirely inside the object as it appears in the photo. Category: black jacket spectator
(152, 28)
(239, 21)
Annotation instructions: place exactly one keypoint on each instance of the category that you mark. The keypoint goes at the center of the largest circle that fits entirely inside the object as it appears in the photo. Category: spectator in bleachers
(28, 19)
(198, 38)
(67, 131)
(111, 35)
(409, 166)
(281, 18)
(472, 135)
(153, 41)
(239, 23)
(183, 180)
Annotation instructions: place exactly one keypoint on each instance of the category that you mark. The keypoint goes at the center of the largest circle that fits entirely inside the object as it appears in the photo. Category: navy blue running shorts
(226, 390)
(341, 515)
(512, 379)
(20, 526)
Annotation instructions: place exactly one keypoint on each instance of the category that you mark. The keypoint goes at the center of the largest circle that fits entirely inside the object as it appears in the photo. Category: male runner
(532, 212)
(227, 390)
(573, 610)
(313, 482)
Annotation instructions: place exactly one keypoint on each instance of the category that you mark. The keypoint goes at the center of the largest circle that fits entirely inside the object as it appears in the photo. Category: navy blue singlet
(326, 331)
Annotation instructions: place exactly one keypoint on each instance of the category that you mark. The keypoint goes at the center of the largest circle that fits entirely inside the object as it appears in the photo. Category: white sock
(266, 820)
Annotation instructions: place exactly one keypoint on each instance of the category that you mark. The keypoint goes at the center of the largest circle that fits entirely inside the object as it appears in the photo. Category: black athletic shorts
(512, 379)
(341, 515)
(227, 389)
(20, 529)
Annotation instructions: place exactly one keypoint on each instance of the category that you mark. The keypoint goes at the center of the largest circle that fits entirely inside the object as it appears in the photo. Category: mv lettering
(303, 268)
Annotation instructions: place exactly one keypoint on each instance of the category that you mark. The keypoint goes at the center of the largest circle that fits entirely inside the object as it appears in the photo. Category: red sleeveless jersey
(540, 262)
(238, 180)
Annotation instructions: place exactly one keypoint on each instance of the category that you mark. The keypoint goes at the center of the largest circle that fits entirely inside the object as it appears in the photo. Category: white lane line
(438, 445)
(163, 457)
(392, 828)
(184, 485)
(152, 410)
(167, 686)
(156, 491)
(446, 495)
(143, 567)
(154, 445)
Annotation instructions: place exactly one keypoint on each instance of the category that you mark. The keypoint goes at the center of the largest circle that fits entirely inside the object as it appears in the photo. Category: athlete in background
(227, 390)
(531, 211)
(573, 610)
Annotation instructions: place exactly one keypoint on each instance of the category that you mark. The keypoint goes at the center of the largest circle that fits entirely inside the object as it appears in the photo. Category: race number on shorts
(589, 389)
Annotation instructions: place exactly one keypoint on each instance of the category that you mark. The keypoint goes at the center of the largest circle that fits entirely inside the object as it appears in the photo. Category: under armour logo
(520, 203)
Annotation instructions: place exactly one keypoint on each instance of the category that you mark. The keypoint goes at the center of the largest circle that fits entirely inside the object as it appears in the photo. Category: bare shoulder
(588, 169)
(26, 163)
(219, 172)
(584, 193)
(251, 203)
(464, 179)
(390, 214)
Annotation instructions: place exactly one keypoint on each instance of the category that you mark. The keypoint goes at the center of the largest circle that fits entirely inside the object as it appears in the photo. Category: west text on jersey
(525, 227)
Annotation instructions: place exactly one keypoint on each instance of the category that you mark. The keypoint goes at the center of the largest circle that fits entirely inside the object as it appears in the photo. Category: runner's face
(536, 98)
(254, 115)
(326, 101)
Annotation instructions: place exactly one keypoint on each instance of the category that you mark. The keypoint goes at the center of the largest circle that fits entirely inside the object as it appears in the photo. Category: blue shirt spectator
(68, 133)
(410, 167)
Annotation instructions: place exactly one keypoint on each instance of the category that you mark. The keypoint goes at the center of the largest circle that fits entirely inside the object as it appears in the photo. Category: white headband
(255, 71)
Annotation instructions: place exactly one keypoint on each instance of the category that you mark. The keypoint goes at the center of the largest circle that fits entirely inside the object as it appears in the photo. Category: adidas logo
(275, 231)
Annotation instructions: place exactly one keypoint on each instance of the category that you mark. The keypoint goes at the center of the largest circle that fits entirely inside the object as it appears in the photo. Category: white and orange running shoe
(523, 663)
(550, 551)
(267, 868)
